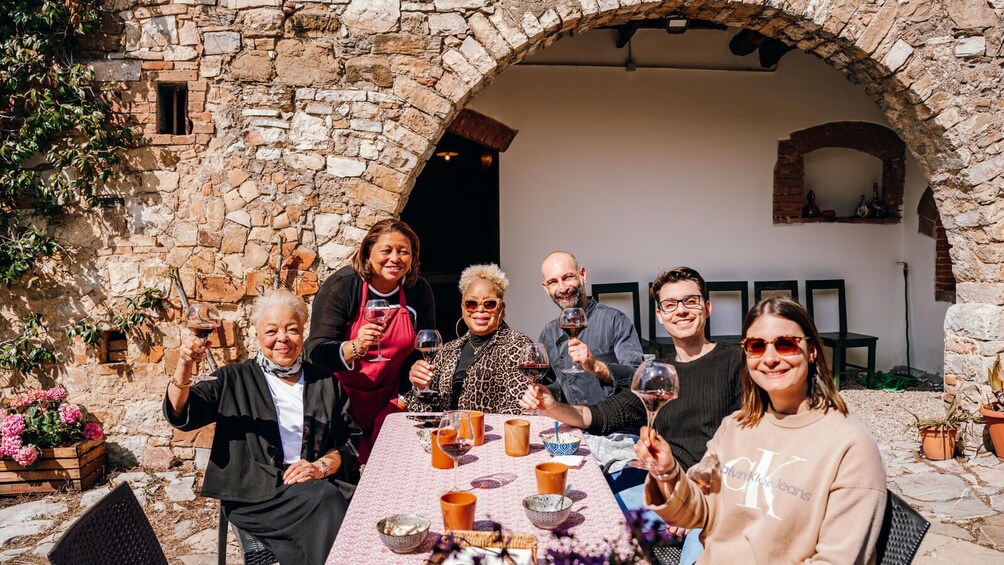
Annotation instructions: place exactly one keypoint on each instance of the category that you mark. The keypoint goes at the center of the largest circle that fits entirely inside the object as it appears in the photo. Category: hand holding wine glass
(533, 363)
(379, 312)
(428, 343)
(655, 384)
(455, 437)
(202, 320)
(572, 321)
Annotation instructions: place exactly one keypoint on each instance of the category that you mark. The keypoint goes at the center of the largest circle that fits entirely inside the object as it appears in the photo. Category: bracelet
(355, 353)
(663, 477)
(174, 381)
(324, 467)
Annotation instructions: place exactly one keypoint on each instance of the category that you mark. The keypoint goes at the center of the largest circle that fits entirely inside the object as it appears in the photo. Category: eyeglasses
(786, 345)
(489, 305)
(692, 302)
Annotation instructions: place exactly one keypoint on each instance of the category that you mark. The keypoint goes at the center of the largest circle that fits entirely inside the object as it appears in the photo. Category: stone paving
(963, 499)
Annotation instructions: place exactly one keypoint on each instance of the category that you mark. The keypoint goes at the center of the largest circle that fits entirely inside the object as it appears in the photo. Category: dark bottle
(876, 208)
(811, 210)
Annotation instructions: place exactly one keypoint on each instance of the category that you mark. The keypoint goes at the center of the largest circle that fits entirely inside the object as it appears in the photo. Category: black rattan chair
(114, 530)
(255, 552)
(902, 531)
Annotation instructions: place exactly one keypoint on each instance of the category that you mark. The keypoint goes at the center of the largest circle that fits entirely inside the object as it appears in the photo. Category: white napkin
(489, 556)
(570, 460)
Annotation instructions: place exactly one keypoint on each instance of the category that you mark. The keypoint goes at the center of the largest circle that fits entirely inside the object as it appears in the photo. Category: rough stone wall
(311, 121)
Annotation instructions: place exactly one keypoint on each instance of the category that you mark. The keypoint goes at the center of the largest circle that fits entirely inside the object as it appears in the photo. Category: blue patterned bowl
(403, 533)
(547, 511)
(565, 444)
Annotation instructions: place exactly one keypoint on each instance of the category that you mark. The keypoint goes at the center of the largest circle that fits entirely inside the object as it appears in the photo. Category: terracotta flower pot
(938, 443)
(995, 423)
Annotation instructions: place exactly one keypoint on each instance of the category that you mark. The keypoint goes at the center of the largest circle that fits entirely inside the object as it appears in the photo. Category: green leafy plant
(88, 330)
(954, 418)
(40, 419)
(27, 350)
(149, 303)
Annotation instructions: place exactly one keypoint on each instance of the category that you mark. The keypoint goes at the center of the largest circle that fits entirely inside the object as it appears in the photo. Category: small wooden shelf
(848, 220)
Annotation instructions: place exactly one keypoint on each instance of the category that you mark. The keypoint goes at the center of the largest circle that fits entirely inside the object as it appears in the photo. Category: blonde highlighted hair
(489, 272)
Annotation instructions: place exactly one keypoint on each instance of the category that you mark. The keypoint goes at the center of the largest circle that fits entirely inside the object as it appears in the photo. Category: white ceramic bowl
(547, 511)
(403, 533)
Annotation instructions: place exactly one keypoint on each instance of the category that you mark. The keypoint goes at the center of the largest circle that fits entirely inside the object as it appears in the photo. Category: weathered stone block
(215, 288)
(366, 17)
(261, 22)
(234, 239)
(971, 14)
(315, 19)
(122, 70)
(159, 181)
(334, 254)
(303, 63)
(344, 166)
(974, 46)
(303, 161)
(447, 24)
(309, 131)
(404, 44)
(219, 42)
(442, 5)
(978, 321)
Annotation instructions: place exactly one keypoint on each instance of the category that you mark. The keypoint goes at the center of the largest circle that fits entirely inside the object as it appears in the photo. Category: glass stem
(651, 419)
(379, 351)
(456, 465)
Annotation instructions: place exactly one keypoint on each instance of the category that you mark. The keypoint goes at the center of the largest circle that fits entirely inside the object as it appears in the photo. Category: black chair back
(788, 288)
(828, 284)
(631, 288)
(742, 287)
(114, 530)
(902, 531)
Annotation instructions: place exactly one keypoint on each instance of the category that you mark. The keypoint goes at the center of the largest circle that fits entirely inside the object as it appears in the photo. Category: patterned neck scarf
(270, 368)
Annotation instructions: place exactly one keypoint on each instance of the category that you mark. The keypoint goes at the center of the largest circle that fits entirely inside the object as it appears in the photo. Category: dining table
(399, 478)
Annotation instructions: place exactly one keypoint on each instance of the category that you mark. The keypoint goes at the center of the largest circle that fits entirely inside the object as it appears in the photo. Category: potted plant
(938, 435)
(993, 410)
(47, 445)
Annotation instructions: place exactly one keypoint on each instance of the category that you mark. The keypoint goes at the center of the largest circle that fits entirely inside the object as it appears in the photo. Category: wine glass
(655, 384)
(203, 320)
(533, 364)
(572, 321)
(428, 343)
(379, 312)
(455, 437)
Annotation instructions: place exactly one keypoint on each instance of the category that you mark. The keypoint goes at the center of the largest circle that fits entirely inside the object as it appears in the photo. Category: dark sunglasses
(786, 345)
(489, 305)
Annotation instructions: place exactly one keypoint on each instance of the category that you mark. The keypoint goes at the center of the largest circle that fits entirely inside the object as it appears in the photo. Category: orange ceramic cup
(517, 437)
(478, 423)
(441, 460)
(551, 477)
(458, 510)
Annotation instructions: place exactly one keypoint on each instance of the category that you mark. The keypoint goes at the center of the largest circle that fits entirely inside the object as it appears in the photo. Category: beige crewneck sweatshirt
(802, 488)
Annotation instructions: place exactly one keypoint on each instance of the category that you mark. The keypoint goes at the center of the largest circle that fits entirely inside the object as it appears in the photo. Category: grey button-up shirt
(612, 339)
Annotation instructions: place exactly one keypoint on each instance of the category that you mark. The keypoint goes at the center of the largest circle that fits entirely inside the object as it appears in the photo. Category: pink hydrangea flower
(26, 455)
(69, 413)
(92, 430)
(54, 394)
(13, 425)
(9, 445)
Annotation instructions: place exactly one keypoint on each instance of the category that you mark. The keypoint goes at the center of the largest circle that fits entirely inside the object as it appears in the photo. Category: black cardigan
(336, 306)
(246, 461)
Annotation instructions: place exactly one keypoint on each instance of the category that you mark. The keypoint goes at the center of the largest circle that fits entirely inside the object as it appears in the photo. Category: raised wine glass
(533, 364)
(203, 320)
(572, 321)
(455, 437)
(655, 384)
(428, 343)
(378, 311)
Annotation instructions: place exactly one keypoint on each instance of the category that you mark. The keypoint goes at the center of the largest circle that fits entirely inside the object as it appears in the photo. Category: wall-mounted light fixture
(676, 25)
(447, 155)
(487, 159)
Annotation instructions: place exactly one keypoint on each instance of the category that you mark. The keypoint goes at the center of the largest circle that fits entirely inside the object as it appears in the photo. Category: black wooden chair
(842, 340)
(663, 345)
(788, 289)
(631, 288)
(114, 530)
(255, 552)
(740, 287)
(902, 531)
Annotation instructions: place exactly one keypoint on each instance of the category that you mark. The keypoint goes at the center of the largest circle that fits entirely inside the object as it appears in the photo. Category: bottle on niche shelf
(876, 208)
(862, 209)
(810, 210)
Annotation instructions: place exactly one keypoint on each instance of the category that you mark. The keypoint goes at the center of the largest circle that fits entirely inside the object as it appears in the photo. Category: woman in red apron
(341, 339)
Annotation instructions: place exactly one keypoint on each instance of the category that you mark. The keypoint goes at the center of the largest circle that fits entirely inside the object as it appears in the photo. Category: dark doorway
(454, 209)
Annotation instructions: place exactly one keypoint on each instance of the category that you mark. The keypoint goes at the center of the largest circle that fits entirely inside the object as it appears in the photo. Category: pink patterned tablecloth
(400, 478)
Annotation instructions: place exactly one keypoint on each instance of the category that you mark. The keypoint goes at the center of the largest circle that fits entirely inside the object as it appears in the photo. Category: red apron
(373, 387)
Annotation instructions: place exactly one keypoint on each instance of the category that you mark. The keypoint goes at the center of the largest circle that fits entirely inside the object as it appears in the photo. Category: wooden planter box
(75, 467)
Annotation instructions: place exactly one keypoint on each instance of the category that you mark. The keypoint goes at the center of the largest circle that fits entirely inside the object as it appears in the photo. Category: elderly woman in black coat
(282, 456)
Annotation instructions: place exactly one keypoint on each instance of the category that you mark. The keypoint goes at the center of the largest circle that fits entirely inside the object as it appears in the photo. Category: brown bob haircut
(677, 274)
(360, 261)
(821, 391)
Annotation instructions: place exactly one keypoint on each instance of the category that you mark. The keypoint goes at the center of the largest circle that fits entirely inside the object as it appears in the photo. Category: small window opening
(172, 109)
(114, 346)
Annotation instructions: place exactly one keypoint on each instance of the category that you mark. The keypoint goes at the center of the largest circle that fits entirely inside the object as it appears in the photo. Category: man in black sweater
(709, 390)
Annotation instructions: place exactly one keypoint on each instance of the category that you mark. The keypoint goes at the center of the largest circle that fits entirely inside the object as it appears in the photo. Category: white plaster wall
(638, 171)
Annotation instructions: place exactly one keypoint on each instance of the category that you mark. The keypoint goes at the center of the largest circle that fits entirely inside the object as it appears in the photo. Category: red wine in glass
(460, 441)
(456, 449)
(203, 320)
(572, 321)
(202, 330)
(533, 371)
(428, 343)
(533, 363)
(655, 384)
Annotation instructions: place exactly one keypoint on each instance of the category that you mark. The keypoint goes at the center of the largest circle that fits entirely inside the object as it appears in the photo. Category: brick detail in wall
(479, 128)
(139, 101)
(874, 139)
(929, 223)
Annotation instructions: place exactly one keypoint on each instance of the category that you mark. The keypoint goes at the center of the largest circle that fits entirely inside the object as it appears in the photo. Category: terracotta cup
(458, 510)
(517, 437)
(551, 477)
(441, 460)
(478, 423)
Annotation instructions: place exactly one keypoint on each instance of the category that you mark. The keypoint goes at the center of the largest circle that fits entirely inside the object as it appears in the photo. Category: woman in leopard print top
(478, 370)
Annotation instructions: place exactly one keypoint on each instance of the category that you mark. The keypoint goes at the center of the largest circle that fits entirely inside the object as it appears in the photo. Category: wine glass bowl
(572, 321)
(455, 437)
(202, 319)
(428, 343)
(533, 363)
(379, 311)
(655, 384)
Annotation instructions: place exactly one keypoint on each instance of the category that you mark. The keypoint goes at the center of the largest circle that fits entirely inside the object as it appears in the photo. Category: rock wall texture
(311, 120)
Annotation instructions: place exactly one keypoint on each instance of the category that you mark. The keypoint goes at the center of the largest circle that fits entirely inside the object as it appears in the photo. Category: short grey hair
(280, 297)
(489, 272)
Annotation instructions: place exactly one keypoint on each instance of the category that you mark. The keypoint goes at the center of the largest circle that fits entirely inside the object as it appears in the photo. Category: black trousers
(299, 525)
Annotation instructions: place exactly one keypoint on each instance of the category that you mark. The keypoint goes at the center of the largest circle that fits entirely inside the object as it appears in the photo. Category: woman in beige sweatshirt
(790, 477)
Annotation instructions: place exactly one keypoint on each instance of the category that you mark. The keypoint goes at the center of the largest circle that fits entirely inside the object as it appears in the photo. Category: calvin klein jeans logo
(755, 477)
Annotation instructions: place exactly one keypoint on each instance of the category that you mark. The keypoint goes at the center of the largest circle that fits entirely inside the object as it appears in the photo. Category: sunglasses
(786, 345)
(489, 305)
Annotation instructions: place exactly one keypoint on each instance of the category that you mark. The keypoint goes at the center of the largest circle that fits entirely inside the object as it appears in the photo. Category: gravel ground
(887, 414)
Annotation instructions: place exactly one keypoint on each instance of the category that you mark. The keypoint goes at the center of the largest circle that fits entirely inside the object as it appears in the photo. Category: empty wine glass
(428, 343)
(379, 311)
(203, 320)
(572, 321)
(455, 437)
(533, 364)
(655, 384)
